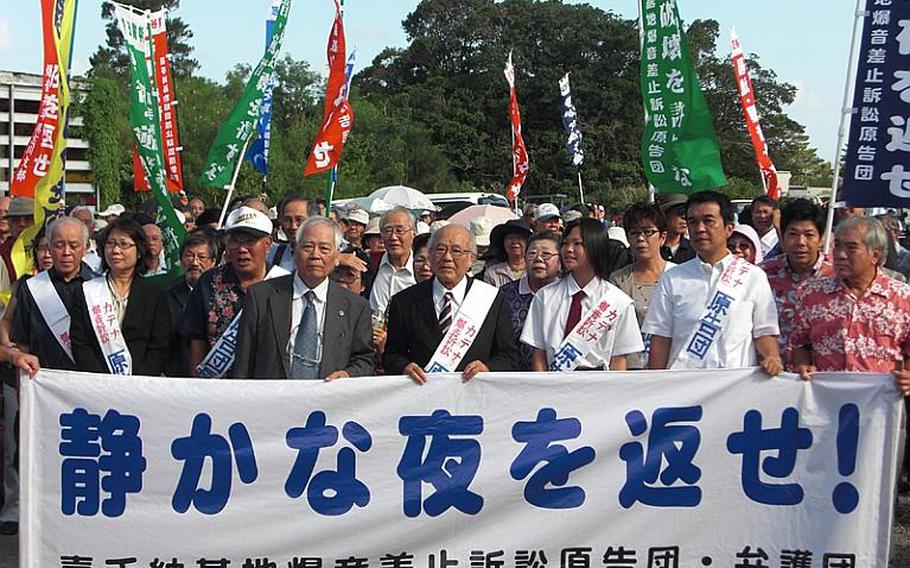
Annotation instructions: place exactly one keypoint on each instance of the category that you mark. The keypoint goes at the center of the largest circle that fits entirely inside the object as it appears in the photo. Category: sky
(806, 42)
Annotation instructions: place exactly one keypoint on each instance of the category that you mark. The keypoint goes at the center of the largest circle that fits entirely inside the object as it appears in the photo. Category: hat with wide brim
(512, 227)
(672, 200)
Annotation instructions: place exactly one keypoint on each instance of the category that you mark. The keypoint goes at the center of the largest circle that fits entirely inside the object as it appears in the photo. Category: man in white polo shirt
(396, 269)
(715, 310)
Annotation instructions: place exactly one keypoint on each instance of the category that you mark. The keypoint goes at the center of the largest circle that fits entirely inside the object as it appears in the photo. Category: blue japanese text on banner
(877, 166)
(720, 466)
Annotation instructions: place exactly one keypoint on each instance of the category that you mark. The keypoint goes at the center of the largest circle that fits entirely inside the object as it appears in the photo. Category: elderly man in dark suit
(419, 316)
(305, 326)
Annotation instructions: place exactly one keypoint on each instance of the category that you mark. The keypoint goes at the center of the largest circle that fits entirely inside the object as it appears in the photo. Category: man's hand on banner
(25, 362)
(769, 353)
(416, 372)
(805, 371)
(772, 365)
(902, 380)
(337, 375)
(473, 368)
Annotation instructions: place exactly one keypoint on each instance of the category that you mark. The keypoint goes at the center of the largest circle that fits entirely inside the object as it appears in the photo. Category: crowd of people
(301, 294)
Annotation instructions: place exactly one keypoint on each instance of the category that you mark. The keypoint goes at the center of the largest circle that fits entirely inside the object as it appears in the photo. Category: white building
(20, 94)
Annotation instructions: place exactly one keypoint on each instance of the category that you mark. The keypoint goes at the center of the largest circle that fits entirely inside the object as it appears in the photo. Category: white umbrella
(404, 196)
(371, 204)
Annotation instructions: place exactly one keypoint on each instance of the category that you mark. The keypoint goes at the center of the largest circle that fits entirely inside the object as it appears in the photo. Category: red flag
(164, 80)
(36, 160)
(338, 116)
(750, 113)
(519, 152)
(329, 144)
(140, 182)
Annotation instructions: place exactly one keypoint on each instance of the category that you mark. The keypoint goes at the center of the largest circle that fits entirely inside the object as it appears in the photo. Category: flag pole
(230, 188)
(581, 189)
(846, 110)
(333, 173)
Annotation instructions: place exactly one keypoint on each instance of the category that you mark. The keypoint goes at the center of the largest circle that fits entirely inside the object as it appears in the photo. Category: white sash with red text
(103, 316)
(463, 331)
(587, 332)
(700, 350)
(52, 309)
(220, 358)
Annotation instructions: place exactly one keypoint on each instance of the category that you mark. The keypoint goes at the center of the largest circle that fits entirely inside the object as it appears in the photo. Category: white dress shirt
(682, 297)
(389, 281)
(768, 241)
(545, 327)
(298, 304)
(458, 294)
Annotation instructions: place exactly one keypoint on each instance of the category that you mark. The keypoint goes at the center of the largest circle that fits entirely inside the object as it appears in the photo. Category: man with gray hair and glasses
(396, 269)
(857, 320)
(305, 326)
(451, 322)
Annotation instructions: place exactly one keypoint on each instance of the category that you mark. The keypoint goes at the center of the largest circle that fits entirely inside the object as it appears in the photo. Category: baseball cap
(358, 216)
(249, 220)
(480, 228)
(546, 211)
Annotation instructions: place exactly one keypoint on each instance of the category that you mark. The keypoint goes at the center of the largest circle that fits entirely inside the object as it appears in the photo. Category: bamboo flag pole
(230, 188)
(846, 111)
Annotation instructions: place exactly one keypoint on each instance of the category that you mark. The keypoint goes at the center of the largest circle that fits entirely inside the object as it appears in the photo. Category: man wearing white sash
(715, 310)
(450, 323)
(582, 321)
(217, 299)
(41, 320)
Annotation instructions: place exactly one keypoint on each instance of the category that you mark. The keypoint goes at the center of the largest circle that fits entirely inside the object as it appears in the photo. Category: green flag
(679, 146)
(146, 127)
(241, 124)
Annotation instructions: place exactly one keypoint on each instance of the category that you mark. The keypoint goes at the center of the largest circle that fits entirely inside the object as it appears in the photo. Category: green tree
(106, 128)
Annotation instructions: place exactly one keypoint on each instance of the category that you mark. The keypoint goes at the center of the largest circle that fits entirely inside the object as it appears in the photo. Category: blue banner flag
(570, 123)
(877, 166)
(258, 154)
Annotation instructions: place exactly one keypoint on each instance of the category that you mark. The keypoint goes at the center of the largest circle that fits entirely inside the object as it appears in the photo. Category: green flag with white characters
(679, 145)
(236, 131)
(144, 121)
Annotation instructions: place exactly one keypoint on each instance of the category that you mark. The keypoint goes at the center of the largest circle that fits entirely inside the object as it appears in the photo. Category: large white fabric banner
(586, 470)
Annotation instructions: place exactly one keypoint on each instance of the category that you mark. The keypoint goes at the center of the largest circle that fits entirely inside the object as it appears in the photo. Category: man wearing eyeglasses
(396, 269)
(467, 317)
(197, 255)
(218, 297)
(305, 326)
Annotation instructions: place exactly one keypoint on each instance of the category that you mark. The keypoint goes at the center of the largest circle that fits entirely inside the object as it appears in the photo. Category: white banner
(584, 470)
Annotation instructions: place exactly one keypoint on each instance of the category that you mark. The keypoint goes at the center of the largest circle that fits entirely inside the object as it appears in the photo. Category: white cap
(422, 228)
(358, 216)
(115, 209)
(618, 234)
(436, 225)
(480, 228)
(547, 210)
(248, 220)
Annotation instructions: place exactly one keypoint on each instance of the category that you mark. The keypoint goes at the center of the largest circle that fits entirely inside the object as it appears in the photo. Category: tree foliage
(434, 114)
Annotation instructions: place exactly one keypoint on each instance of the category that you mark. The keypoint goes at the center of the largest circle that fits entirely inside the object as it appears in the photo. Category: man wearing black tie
(305, 326)
(428, 314)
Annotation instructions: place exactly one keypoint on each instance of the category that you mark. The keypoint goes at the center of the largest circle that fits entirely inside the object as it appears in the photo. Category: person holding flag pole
(222, 166)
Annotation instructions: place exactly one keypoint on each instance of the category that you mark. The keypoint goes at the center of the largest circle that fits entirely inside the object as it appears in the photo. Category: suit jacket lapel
(333, 327)
(279, 307)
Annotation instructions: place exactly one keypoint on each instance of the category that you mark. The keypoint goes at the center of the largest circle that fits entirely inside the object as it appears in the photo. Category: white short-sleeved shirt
(682, 297)
(545, 327)
(389, 281)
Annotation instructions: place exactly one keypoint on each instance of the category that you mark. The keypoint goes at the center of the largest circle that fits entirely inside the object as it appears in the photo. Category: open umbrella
(371, 204)
(498, 215)
(404, 196)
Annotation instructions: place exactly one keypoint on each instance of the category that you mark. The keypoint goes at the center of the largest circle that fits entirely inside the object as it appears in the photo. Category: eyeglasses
(544, 256)
(122, 245)
(646, 233)
(189, 257)
(456, 252)
(397, 231)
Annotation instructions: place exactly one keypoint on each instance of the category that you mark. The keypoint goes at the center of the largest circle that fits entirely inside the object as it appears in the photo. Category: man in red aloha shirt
(802, 223)
(859, 319)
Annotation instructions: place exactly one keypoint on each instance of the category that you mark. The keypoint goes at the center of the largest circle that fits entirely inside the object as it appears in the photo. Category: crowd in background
(292, 291)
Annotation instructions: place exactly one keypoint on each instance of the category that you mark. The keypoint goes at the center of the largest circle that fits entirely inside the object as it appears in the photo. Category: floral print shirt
(214, 303)
(846, 333)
